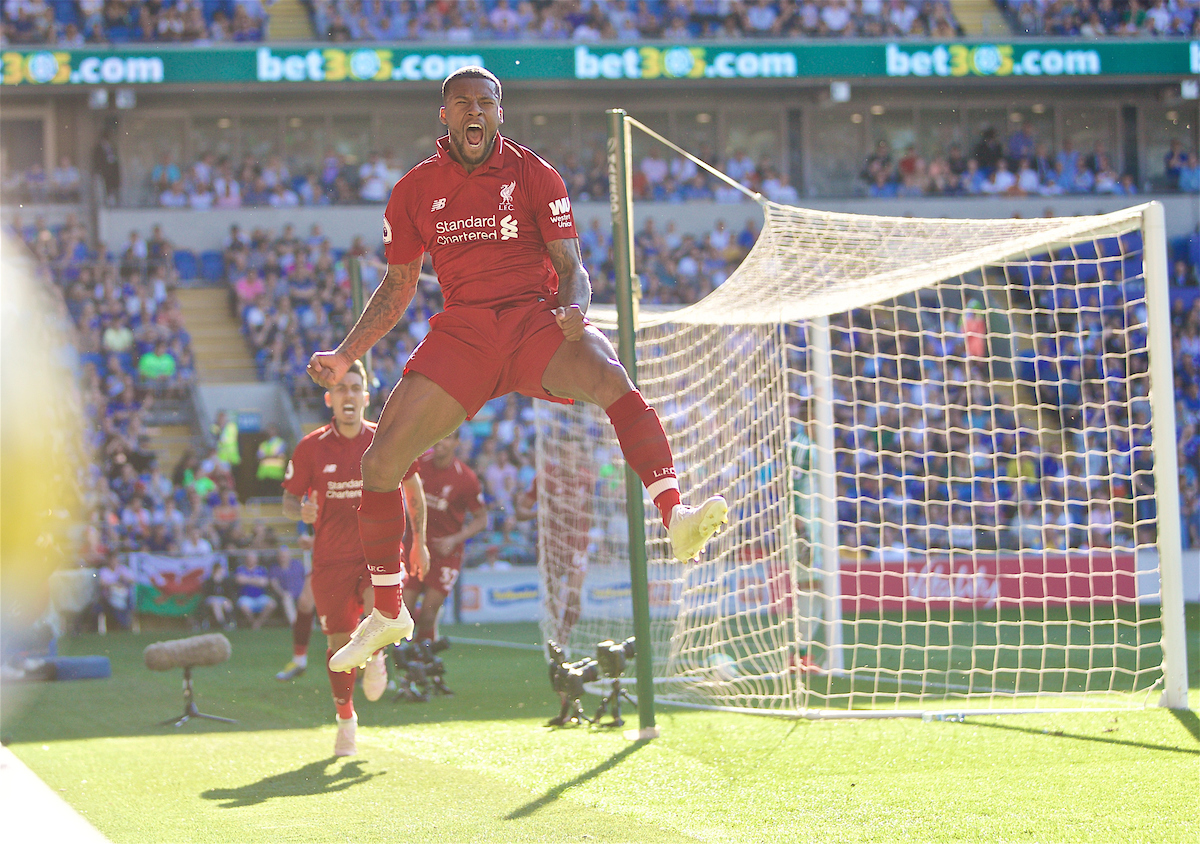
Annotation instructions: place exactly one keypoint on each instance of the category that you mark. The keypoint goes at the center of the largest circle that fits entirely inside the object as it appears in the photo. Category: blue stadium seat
(185, 264)
(212, 265)
(1178, 248)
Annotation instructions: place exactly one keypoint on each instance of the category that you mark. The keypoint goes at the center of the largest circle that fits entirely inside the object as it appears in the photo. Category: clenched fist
(572, 322)
(327, 368)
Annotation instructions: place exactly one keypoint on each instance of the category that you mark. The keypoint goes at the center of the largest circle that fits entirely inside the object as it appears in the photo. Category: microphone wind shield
(209, 649)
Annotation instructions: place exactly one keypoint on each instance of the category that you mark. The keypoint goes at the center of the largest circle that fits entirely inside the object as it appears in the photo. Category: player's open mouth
(348, 408)
(474, 135)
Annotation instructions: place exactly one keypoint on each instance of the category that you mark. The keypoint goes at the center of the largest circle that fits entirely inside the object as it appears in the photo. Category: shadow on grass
(1034, 731)
(556, 792)
(1189, 720)
(311, 779)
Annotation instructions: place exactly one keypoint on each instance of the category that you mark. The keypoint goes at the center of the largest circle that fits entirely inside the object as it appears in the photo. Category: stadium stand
(627, 20)
(76, 23)
(1100, 18)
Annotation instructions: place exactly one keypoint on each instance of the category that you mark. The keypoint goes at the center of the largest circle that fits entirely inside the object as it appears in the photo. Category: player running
(322, 486)
(497, 221)
(454, 501)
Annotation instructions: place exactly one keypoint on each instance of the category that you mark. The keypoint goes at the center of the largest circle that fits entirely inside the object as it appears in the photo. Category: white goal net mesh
(934, 437)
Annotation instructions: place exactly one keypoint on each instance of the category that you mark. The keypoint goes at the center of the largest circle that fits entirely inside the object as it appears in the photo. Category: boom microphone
(209, 649)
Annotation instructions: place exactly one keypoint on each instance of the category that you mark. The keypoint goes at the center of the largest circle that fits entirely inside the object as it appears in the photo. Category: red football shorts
(476, 354)
(442, 574)
(337, 592)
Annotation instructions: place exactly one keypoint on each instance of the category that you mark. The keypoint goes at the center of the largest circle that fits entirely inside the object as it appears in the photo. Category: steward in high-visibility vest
(226, 432)
(272, 456)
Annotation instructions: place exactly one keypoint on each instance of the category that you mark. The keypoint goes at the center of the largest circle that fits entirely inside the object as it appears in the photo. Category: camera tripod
(613, 699)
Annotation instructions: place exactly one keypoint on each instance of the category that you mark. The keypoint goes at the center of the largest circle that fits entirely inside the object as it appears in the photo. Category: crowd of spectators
(133, 356)
(1021, 165)
(1101, 18)
(338, 179)
(76, 23)
(628, 20)
(63, 183)
(213, 182)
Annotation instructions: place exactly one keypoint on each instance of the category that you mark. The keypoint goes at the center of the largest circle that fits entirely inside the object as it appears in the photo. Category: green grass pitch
(480, 766)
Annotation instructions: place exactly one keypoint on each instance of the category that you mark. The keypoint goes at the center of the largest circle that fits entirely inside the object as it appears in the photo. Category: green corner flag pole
(620, 189)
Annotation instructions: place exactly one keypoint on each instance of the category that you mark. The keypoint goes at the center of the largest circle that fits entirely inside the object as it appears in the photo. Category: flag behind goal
(938, 441)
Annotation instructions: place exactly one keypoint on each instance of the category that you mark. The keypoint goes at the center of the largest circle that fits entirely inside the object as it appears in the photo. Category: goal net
(938, 442)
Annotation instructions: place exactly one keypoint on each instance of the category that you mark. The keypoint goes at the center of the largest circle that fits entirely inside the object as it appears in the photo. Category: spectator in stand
(254, 601)
(1176, 160)
(988, 151)
(157, 369)
(287, 582)
(219, 591)
(66, 181)
(1183, 274)
(114, 601)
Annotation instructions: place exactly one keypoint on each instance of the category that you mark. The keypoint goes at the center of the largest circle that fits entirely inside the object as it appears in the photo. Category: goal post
(947, 446)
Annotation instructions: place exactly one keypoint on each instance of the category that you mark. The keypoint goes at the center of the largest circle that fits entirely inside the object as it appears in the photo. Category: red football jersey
(486, 231)
(449, 494)
(330, 467)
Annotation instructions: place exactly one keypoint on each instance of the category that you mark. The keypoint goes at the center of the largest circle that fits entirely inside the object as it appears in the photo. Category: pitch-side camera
(422, 668)
(568, 679)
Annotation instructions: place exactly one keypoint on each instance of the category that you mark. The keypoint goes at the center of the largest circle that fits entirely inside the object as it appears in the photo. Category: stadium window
(217, 135)
(1091, 125)
(696, 131)
(352, 136)
(937, 129)
(304, 141)
(260, 137)
(550, 135)
(144, 141)
(835, 151)
(1162, 124)
(759, 133)
(897, 126)
(22, 140)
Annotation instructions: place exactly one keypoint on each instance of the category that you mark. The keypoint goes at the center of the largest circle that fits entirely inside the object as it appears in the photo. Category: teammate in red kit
(497, 222)
(565, 531)
(454, 502)
(322, 486)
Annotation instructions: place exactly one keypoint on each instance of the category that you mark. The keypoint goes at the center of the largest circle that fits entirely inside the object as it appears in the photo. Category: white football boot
(375, 677)
(345, 744)
(373, 632)
(692, 527)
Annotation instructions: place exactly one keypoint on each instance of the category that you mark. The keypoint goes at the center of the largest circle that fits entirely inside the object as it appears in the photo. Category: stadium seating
(186, 265)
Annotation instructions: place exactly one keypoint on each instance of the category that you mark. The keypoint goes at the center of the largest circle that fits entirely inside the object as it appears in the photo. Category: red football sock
(342, 683)
(646, 449)
(301, 633)
(381, 529)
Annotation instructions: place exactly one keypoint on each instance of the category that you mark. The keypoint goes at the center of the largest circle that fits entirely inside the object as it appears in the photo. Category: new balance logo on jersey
(330, 467)
(508, 227)
(560, 212)
(506, 193)
(438, 205)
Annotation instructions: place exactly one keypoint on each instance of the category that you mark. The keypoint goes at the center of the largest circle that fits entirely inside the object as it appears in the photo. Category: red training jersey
(487, 230)
(329, 466)
(449, 493)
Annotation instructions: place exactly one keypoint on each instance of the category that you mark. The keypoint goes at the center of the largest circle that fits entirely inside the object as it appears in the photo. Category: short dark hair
(471, 71)
(358, 367)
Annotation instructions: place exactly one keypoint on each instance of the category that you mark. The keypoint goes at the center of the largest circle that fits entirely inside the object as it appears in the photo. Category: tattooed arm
(574, 286)
(387, 305)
